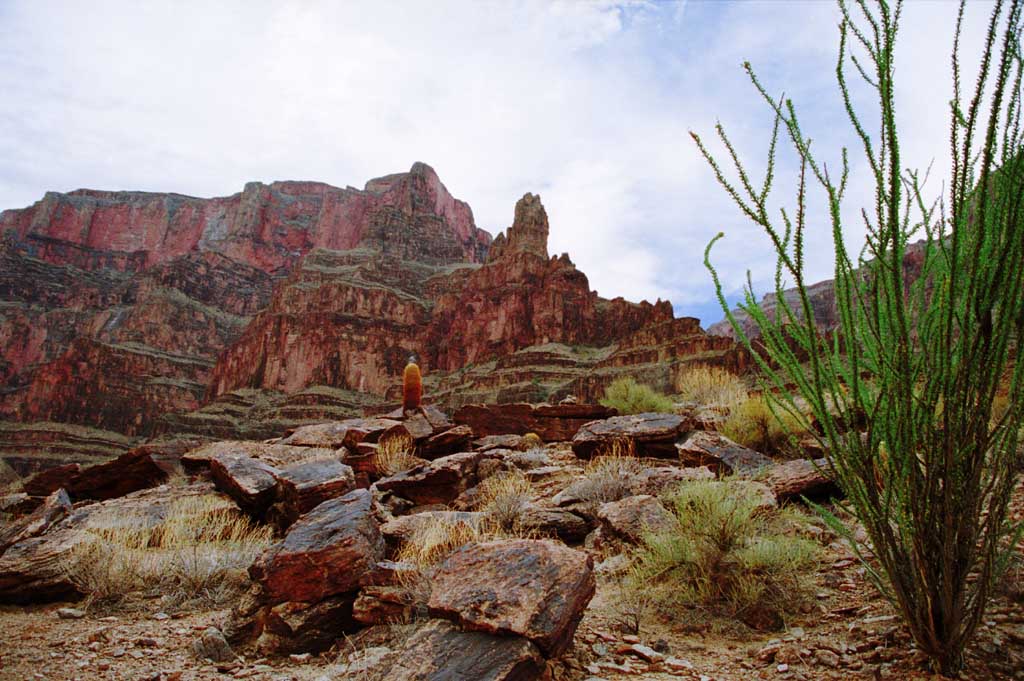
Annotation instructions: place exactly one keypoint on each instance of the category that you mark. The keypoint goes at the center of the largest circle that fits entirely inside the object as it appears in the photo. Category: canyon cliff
(130, 315)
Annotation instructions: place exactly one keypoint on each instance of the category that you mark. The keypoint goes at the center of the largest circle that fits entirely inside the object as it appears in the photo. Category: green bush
(919, 357)
(729, 556)
(630, 397)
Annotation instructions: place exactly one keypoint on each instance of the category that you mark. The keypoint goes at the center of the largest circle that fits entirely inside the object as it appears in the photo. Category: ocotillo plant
(918, 363)
(412, 386)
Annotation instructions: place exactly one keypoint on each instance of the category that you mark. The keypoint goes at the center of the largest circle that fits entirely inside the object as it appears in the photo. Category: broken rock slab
(631, 518)
(650, 434)
(537, 589)
(331, 550)
(550, 422)
(704, 448)
(440, 651)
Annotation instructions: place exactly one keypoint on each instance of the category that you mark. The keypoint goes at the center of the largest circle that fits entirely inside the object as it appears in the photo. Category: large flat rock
(439, 651)
(537, 589)
(651, 434)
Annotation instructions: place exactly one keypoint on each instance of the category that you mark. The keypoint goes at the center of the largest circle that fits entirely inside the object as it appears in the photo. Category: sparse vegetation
(920, 359)
(198, 552)
(607, 476)
(395, 454)
(729, 556)
(503, 499)
(630, 397)
(711, 385)
(753, 423)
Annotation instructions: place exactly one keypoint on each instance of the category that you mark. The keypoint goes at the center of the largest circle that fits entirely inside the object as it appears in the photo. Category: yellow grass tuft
(710, 385)
(395, 454)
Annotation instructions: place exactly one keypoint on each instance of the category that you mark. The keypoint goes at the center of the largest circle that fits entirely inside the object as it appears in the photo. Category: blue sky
(587, 103)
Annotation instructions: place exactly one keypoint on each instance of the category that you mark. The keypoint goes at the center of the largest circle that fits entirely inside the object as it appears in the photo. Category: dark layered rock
(438, 482)
(250, 482)
(331, 550)
(348, 433)
(440, 651)
(550, 422)
(54, 508)
(536, 589)
(303, 486)
(295, 627)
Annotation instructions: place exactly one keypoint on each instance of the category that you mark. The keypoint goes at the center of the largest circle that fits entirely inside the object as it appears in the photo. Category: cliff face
(135, 314)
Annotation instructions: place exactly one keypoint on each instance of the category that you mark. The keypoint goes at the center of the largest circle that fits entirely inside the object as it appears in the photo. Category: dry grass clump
(197, 553)
(729, 556)
(705, 384)
(630, 397)
(609, 475)
(752, 424)
(504, 498)
(395, 455)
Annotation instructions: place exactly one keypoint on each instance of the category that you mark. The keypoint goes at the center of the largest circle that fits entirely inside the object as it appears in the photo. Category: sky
(589, 104)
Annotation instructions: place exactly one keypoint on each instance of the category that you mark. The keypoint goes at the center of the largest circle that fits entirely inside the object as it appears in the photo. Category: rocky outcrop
(651, 434)
(296, 302)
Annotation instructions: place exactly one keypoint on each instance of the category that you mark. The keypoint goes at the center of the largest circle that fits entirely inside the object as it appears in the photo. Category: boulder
(437, 482)
(211, 645)
(439, 651)
(551, 422)
(303, 486)
(510, 442)
(448, 441)
(801, 478)
(54, 508)
(130, 472)
(306, 627)
(702, 448)
(250, 482)
(651, 434)
(631, 518)
(45, 483)
(330, 550)
(556, 523)
(537, 589)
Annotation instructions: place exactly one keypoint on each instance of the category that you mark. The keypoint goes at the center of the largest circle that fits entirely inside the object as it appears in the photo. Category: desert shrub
(608, 476)
(630, 397)
(729, 556)
(753, 423)
(531, 441)
(503, 499)
(395, 454)
(705, 384)
(198, 552)
(920, 355)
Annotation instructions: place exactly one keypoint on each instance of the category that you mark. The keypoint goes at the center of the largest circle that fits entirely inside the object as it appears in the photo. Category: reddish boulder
(54, 508)
(49, 481)
(449, 441)
(439, 651)
(536, 589)
(437, 482)
(331, 550)
(303, 486)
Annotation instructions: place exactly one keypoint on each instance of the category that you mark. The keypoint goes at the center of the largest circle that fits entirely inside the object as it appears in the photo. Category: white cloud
(586, 103)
